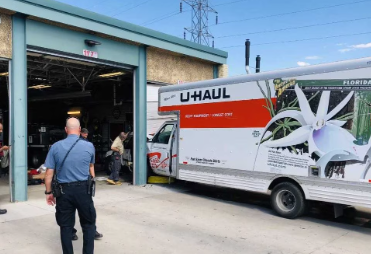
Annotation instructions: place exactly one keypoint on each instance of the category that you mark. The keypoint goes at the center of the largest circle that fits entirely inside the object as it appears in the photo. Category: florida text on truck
(300, 134)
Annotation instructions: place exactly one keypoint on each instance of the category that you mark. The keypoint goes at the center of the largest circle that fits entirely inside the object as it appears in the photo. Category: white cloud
(303, 63)
(345, 50)
(355, 47)
(313, 57)
(362, 46)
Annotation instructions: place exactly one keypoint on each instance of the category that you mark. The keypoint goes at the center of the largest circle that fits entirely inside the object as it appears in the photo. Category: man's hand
(50, 200)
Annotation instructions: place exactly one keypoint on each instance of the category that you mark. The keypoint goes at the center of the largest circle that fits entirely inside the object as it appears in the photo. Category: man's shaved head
(73, 126)
(1, 127)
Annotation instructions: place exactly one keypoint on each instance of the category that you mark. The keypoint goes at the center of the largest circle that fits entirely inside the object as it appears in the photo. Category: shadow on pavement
(319, 212)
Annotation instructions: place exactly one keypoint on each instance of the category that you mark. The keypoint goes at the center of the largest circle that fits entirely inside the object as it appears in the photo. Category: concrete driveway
(182, 218)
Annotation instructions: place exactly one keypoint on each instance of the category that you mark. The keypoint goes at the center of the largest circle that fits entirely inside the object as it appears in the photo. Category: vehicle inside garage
(99, 95)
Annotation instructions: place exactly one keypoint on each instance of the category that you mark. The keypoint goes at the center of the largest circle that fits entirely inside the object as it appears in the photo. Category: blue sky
(275, 55)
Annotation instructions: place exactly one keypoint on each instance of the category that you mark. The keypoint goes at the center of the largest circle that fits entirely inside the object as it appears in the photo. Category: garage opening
(100, 95)
(4, 135)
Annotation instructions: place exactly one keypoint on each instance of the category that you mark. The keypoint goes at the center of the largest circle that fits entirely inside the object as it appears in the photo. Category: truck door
(160, 154)
(174, 152)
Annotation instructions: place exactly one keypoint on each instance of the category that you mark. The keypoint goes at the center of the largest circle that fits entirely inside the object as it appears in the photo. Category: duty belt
(74, 183)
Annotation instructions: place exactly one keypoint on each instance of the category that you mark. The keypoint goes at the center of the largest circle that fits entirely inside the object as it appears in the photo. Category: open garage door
(99, 93)
(4, 135)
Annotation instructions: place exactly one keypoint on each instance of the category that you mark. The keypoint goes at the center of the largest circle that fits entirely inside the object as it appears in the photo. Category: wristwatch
(48, 193)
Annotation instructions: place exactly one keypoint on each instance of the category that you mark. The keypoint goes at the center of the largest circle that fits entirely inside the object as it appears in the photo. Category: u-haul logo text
(210, 94)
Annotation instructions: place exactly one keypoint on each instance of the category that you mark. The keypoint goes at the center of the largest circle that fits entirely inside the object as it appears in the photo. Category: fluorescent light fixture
(33, 54)
(4, 74)
(39, 86)
(61, 96)
(73, 112)
(110, 75)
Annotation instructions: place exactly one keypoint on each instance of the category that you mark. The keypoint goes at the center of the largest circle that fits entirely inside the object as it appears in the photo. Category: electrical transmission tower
(200, 21)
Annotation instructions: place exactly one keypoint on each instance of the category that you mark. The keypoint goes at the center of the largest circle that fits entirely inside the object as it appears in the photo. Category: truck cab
(162, 150)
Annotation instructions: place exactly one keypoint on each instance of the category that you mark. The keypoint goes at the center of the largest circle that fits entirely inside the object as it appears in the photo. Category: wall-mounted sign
(89, 53)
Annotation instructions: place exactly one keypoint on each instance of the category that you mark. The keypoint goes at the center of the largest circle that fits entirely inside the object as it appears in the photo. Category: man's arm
(50, 165)
(92, 171)
(50, 200)
(4, 148)
(115, 149)
(92, 161)
(114, 146)
(48, 179)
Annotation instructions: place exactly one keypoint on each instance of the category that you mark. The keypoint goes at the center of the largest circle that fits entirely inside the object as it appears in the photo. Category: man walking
(73, 162)
(2, 149)
(118, 149)
(84, 135)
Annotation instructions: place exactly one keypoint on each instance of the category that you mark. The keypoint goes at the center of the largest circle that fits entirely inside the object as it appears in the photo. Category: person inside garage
(84, 133)
(118, 149)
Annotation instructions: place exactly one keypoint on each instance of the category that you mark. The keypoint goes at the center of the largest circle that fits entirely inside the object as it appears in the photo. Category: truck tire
(288, 200)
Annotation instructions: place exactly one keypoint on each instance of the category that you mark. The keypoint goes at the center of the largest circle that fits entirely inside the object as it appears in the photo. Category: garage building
(59, 61)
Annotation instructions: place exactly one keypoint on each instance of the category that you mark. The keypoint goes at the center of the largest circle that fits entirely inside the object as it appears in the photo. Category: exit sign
(89, 53)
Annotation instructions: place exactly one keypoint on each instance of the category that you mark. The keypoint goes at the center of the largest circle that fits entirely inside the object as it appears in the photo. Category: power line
(158, 17)
(135, 6)
(300, 40)
(161, 18)
(293, 28)
(172, 14)
(293, 12)
(230, 3)
(99, 3)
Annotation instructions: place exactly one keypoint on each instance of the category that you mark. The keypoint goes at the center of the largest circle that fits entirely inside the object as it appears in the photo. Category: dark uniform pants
(76, 197)
(116, 167)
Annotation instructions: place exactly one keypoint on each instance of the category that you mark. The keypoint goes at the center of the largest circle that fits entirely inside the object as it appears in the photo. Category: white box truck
(299, 134)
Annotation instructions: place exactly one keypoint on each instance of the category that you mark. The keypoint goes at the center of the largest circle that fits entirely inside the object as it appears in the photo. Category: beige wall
(5, 36)
(223, 71)
(167, 67)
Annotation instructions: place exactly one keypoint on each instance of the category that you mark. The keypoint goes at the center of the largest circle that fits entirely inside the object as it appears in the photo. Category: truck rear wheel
(288, 200)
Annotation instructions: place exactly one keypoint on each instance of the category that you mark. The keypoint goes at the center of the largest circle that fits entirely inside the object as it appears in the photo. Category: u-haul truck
(299, 134)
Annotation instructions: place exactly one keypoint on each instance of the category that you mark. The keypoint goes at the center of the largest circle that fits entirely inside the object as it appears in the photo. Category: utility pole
(200, 21)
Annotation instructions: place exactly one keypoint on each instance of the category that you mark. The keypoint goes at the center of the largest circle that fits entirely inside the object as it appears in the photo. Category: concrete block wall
(168, 67)
(223, 71)
(5, 36)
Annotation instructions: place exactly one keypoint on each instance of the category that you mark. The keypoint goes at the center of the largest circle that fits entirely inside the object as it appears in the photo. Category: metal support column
(216, 71)
(18, 110)
(140, 119)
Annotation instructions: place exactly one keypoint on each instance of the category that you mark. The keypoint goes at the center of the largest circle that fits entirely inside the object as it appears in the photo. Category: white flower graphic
(322, 133)
(325, 137)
